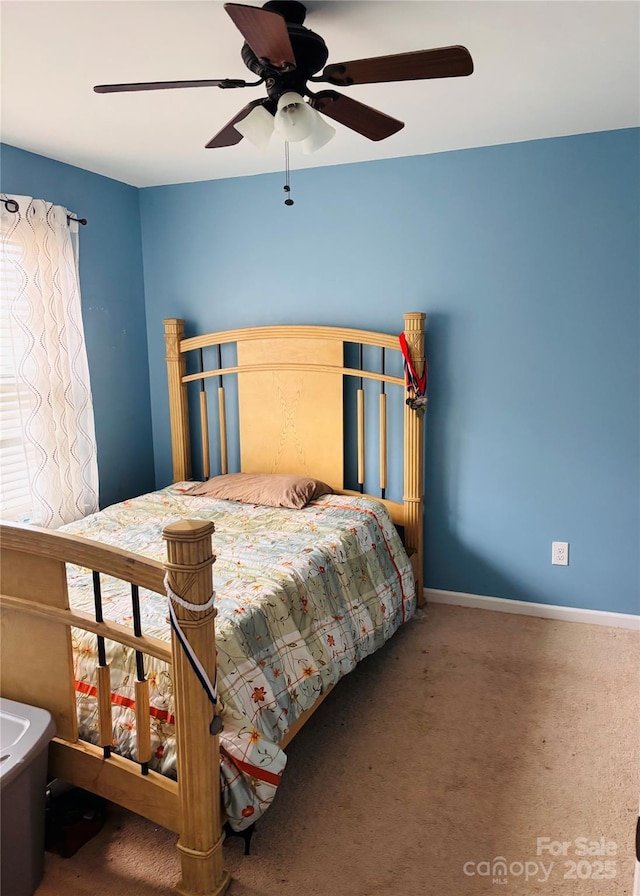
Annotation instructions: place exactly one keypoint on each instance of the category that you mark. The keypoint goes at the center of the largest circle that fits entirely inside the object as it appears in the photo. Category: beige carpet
(468, 737)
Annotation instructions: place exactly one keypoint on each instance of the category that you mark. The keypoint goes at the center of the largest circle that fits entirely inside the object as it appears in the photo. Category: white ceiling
(542, 69)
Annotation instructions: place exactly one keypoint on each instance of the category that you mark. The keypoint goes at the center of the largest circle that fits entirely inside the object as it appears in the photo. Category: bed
(181, 640)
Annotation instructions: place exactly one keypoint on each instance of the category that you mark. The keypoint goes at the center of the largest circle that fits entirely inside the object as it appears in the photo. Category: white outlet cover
(560, 553)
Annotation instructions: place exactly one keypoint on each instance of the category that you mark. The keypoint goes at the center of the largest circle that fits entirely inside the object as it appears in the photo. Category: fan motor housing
(292, 11)
(310, 53)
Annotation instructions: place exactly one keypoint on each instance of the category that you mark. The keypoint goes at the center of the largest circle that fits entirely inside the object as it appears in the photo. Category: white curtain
(48, 465)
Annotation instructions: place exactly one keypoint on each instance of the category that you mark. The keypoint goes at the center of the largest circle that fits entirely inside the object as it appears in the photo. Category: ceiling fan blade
(355, 115)
(442, 62)
(228, 136)
(265, 32)
(170, 85)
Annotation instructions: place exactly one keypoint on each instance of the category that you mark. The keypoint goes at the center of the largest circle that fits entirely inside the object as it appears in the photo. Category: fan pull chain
(287, 186)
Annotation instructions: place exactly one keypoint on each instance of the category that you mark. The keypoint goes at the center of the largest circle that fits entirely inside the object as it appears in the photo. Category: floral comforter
(302, 596)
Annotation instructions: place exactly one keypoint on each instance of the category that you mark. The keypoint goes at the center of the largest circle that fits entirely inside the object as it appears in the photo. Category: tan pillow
(272, 489)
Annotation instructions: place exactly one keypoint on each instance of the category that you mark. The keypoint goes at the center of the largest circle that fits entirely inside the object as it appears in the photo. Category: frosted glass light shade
(294, 121)
(257, 127)
(320, 136)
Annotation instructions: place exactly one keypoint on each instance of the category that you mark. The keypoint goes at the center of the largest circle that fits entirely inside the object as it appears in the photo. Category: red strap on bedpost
(417, 384)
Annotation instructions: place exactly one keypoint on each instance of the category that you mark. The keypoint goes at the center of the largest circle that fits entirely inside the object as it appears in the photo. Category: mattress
(302, 596)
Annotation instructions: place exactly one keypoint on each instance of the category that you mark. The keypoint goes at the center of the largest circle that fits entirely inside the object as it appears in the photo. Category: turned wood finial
(189, 560)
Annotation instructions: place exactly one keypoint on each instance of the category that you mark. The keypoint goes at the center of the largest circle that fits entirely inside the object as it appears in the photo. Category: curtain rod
(12, 206)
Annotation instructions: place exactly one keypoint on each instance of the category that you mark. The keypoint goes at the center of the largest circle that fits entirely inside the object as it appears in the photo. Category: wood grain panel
(291, 421)
(36, 644)
(117, 779)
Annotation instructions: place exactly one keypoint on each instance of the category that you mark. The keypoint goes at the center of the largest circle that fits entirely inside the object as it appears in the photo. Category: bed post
(178, 406)
(414, 323)
(189, 563)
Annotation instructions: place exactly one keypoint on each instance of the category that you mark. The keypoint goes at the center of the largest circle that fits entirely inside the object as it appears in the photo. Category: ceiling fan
(286, 56)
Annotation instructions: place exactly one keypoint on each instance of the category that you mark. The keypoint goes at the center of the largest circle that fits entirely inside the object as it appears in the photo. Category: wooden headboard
(291, 408)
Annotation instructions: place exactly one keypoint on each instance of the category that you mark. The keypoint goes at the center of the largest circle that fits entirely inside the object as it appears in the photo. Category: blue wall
(112, 307)
(525, 258)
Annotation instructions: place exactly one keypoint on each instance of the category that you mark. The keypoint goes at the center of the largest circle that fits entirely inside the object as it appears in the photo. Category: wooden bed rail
(37, 669)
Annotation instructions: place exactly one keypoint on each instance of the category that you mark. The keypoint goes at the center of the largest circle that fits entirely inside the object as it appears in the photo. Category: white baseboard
(528, 608)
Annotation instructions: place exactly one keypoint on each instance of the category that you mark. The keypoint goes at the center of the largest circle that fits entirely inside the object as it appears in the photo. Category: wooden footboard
(37, 669)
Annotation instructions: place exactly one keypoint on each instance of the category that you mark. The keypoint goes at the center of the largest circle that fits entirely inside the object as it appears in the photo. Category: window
(48, 469)
(16, 402)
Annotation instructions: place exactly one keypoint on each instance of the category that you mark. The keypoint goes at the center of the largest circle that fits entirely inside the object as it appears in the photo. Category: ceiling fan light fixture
(285, 55)
(257, 127)
(294, 120)
(320, 136)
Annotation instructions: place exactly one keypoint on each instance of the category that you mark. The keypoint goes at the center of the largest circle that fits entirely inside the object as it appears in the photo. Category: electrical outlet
(560, 553)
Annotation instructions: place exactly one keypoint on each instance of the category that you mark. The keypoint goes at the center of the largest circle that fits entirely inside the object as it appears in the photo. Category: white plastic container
(25, 732)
